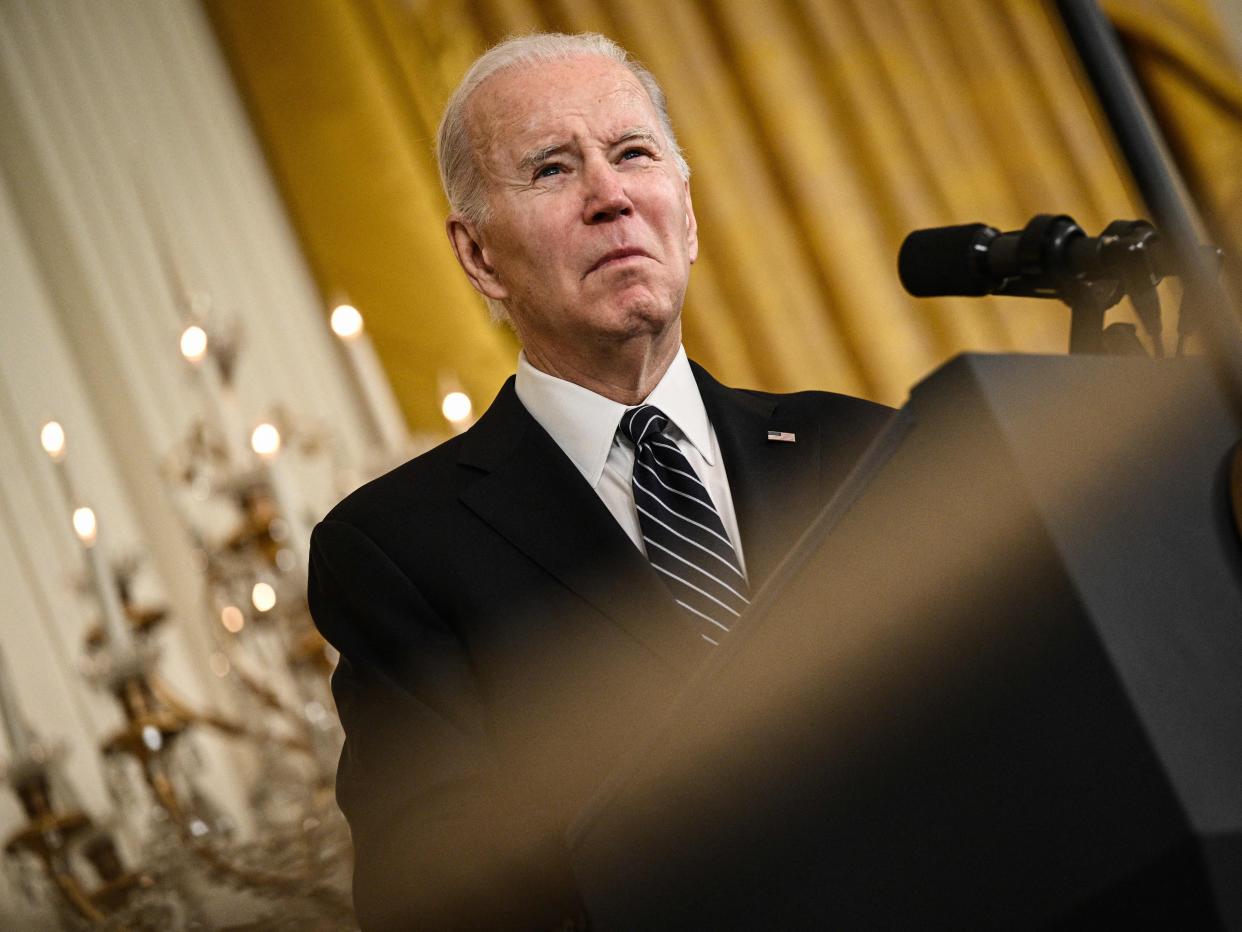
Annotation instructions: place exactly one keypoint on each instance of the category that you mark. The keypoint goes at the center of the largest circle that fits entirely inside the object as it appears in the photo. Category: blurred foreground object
(1000, 679)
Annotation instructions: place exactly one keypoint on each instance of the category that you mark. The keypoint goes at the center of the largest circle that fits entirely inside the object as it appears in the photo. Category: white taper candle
(11, 711)
(368, 374)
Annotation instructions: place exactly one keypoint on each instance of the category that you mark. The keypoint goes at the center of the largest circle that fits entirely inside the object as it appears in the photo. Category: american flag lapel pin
(782, 435)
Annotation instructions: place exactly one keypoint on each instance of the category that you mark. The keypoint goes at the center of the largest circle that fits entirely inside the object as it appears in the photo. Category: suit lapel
(536, 499)
(773, 483)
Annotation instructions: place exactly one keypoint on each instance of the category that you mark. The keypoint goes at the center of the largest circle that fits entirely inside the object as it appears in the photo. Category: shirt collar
(677, 395)
(584, 423)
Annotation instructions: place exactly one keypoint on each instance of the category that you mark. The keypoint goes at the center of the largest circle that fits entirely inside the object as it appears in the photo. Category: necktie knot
(643, 423)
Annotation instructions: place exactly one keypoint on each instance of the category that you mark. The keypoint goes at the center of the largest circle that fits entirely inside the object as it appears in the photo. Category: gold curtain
(819, 132)
(1186, 70)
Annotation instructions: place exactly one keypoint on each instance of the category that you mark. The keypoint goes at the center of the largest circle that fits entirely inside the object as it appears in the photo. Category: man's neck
(625, 374)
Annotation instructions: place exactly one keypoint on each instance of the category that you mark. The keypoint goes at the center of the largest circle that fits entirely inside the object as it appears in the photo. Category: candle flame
(263, 597)
(85, 526)
(346, 321)
(265, 440)
(52, 436)
(456, 407)
(194, 343)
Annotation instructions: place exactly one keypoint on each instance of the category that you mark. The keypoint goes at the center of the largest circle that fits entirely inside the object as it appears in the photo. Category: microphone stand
(1205, 304)
(1051, 252)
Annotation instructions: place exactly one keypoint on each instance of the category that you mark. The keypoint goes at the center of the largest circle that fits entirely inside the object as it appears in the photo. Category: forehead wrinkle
(488, 135)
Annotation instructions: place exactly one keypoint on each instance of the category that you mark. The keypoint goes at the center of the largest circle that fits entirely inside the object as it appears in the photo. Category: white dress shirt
(584, 425)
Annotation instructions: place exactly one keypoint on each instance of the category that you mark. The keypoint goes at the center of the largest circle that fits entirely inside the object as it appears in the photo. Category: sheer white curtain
(123, 141)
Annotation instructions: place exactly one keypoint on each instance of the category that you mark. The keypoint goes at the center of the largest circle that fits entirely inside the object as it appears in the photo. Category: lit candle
(457, 409)
(11, 711)
(52, 437)
(116, 626)
(265, 441)
(220, 399)
(364, 366)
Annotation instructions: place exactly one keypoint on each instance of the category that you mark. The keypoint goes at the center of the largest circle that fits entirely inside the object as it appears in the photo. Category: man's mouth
(616, 256)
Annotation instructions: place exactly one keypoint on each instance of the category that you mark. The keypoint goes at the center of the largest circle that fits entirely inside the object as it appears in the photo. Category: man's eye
(634, 153)
(547, 171)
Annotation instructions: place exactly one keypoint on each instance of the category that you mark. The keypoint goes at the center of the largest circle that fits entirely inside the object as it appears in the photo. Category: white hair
(459, 170)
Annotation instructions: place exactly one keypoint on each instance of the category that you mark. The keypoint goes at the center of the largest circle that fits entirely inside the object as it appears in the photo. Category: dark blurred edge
(1004, 692)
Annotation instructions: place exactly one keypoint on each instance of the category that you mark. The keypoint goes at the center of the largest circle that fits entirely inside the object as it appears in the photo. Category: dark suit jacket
(503, 642)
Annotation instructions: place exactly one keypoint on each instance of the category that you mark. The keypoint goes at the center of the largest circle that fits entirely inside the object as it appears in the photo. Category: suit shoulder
(816, 405)
(427, 477)
(827, 407)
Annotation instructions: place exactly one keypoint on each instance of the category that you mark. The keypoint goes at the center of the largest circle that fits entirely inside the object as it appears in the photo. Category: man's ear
(692, 228)
(472, 256)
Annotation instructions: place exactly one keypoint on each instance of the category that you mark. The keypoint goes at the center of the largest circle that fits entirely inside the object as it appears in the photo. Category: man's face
(590, 233)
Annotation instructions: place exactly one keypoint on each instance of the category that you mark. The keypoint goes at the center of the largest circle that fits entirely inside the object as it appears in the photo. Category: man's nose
(605, 198)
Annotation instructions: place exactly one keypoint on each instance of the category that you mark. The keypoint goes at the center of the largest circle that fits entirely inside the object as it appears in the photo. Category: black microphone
(1041, 260)
(947, 261)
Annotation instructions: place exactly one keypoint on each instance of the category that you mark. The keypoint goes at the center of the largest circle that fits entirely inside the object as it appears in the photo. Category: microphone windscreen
(947, 261)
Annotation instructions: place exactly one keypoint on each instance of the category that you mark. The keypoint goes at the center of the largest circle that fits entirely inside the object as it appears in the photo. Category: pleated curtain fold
(819, 133)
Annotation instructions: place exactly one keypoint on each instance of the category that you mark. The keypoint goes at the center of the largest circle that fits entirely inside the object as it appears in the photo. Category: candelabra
(259, 590)
(291, 868)
(299, 869)
(283, 862)
(56, 833)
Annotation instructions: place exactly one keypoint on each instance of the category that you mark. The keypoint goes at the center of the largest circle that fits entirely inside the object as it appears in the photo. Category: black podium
(998, 684)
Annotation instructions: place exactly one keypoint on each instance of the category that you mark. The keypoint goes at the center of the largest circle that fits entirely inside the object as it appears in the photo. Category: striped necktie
(685, 539)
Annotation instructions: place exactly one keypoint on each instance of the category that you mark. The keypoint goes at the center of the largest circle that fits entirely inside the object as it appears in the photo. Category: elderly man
(514, 606)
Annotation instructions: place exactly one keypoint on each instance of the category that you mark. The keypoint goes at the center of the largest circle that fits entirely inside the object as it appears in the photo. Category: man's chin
(640, 319)
(639, 310)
